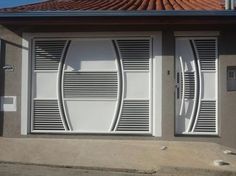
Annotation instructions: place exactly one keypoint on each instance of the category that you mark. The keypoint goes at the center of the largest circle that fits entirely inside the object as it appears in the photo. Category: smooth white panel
(90, 116)
(46, 85)
(184, 50)
(91, 55)
(208, 85)
(136, 85)
(182, 121)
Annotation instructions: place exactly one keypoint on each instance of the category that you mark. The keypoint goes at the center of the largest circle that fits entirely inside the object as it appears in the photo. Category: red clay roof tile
(159, 5)
(73, 5)
(167, 5)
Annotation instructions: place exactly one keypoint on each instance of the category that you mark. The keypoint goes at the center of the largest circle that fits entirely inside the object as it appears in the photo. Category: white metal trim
(137, 71)
(65, 119)
(157, 84)
(90, 99)
(91, 70)
(183, 87)
(195, 98)
(200, 133)
(200, 88)
(123, 88)
(33, 83)
(119, 91)
(217, 87)
(91, 132)
(44, 71)
(25, 104)
(150, 86)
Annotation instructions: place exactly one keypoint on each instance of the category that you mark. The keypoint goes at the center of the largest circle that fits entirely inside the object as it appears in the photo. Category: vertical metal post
(232, 4)
(227, 4)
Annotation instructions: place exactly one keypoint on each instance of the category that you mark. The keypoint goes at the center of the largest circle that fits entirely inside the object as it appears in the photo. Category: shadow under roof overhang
(94, 18)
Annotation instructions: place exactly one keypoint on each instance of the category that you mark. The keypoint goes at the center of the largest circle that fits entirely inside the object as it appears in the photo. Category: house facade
(164, 71)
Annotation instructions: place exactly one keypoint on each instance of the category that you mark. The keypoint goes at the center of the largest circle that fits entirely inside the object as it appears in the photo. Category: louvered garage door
(196, 90)
(91, 85)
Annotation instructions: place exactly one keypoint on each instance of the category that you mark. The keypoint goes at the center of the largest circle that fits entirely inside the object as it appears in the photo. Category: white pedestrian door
(196, 86)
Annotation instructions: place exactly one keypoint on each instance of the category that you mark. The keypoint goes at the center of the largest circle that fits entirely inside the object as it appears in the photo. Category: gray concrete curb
(85, 168)
(164, 170)
(183, 171)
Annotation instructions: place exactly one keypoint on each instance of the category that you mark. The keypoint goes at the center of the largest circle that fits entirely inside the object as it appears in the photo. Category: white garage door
(91, 85)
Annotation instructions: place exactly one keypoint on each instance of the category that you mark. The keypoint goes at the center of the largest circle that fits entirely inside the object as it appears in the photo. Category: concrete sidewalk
(139, 155)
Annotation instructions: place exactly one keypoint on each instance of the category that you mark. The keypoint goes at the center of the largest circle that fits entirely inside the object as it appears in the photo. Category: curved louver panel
(48, 54)
(206, 50)
(189, 85)
(90, 84)
(196, 111)
(134, 116)
(47, 116)
(207, 117)
(135, 54)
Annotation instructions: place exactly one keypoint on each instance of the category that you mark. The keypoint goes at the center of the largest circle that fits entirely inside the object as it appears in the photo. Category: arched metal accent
(183, 85)
(197, 90)
(121, 86)
(60, 91)
(200, 89)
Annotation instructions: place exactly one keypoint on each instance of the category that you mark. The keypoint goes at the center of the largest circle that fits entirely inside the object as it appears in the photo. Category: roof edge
(95, 13)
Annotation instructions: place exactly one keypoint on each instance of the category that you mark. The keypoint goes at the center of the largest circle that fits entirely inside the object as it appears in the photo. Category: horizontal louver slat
(46, 115)
(189, 85)
(135, 54)
(207, 52)
(48, 54)
(134, 116)
(207, 117)
(90, 84)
